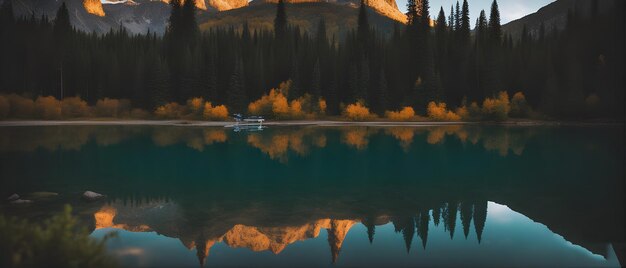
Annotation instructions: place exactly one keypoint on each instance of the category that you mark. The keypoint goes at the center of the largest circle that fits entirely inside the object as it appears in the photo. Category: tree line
(575, 72)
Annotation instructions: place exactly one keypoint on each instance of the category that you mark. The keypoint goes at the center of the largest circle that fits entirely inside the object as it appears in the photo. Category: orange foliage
(436, 135)
(4, 107)
(356, 137)
(219, 112)
(519, 106)
(74, 107)
(438, 111)
(195, 105)
(20, 106)
(407, 113)
(139, 113)
(497, 108)
(213, 136)
(275, 104)
(463, 113)
(112, 107)
(276, 148)
(295, 108)
(357, 112)
(169, 110)
(322, 106)
(403, 134)
(48, 107)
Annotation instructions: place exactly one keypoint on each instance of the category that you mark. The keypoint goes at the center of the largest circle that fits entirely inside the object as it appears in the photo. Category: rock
(92, 196)
(13, 197)
(21, 201)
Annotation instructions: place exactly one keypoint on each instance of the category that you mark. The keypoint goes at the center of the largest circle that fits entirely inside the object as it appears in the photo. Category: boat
(250, 123)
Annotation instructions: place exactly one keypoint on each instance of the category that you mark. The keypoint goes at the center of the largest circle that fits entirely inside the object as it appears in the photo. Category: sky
(509, 9)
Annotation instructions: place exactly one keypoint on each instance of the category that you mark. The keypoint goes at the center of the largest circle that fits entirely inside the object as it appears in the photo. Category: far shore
(320, 123)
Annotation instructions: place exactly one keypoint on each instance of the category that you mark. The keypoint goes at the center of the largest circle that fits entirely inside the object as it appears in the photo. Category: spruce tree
(465, 24)
(495, 29)
(363, 29)
(62, 26)
(237, 100)
(280, 21)
(316, 80)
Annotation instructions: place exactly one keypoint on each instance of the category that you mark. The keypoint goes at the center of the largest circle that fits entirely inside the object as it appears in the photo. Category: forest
(433, 66)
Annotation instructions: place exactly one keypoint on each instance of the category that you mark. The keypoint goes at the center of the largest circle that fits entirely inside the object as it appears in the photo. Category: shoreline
(318, 123)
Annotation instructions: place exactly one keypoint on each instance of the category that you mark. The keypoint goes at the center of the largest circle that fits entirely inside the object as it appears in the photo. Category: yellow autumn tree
(170, 110)
(73, 107)
(219, 112)
(48, 107)
(519, 106)
(439, 112)
(407, 113)
(497, 108)
(195, 106)
(357, 112)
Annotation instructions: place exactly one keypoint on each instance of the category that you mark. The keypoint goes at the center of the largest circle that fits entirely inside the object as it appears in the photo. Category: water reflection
(161, 219)
(353, 196)
(276, 143)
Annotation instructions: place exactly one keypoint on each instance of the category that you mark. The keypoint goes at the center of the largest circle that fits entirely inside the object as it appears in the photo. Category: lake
(330, 196)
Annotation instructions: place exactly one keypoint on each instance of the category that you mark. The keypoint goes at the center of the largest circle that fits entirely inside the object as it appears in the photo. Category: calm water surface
(324, 197)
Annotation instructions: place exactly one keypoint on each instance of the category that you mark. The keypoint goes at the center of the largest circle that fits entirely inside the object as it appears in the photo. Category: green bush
(56, 242)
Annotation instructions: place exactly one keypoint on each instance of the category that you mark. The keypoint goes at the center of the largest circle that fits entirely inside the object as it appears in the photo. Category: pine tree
(363, 29)
(315, 80)
(280, 21)
(189, 24)
(465, 24)
(62, 26)
(495, 29)
(383, 95)
(411, 14)
(457, 17)
(237, 99)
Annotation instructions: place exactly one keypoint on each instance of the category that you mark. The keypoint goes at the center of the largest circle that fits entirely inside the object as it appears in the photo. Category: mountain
(339, 18)
(554, 16)
(141, 16)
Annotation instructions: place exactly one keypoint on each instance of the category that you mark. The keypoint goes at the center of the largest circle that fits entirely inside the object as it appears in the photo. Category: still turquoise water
(330, 196)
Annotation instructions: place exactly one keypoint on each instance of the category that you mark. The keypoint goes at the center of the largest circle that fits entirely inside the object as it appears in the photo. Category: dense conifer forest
(573, 73)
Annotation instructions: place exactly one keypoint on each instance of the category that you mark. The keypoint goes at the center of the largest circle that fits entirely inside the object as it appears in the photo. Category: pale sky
(509, 9)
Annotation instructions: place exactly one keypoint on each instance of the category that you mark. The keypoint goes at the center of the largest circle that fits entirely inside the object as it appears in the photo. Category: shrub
(195, 106)
(280, 106)
(322, 106)
(48, 107)
(497, 108)
(519, 106)
(55, 242)
(219, 112)
(5, 107)
(474, 110)
(21, 107)
(357, 112)
(170, 110)
(139, 113)
(112, 107)
(438, 111)
(407, 113)
(74, 107)
(295, 108)
(463, 113)
(275, 104)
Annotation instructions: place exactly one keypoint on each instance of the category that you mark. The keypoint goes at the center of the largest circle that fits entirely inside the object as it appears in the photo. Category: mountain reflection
(164, 218)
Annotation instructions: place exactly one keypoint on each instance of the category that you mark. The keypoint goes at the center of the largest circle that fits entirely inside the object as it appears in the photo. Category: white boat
(247, 123)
